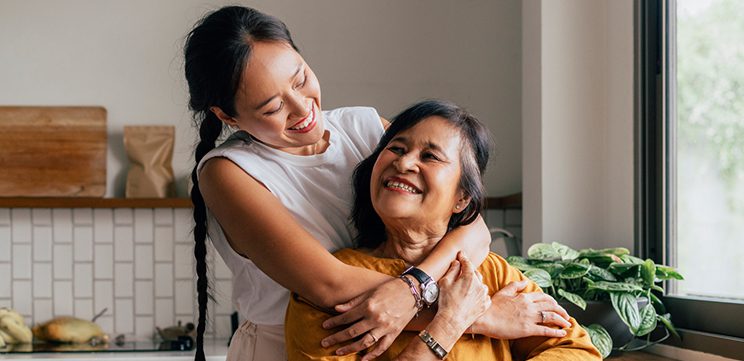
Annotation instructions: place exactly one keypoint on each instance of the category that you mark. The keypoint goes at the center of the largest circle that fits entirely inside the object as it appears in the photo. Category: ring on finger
(374, 339)
(542, 316)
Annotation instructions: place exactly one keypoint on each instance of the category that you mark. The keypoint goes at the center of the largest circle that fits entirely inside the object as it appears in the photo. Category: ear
(228, 120)
(461, 203)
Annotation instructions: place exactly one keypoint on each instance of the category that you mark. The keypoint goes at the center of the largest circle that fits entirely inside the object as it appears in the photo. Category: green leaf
(667, 273)
(516, 259)
(648, 272)
(626, 306)
(666, 320)
(541, 277)
(602, 274)
(625, 269)
(648, 320)
(574, 270)
(567, 253)
(543, 251)
(657, 288)
(522, 266)
(573, 298)
(553, 268)
(615, 286)
(618, 251)
(600, 338)
(628, 259)
(657, 303)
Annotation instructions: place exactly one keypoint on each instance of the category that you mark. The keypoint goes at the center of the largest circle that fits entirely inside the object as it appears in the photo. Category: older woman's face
(417, 175)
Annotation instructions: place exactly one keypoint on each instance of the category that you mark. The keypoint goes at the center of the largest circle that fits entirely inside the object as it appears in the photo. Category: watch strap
(433, 345)
(419, 275)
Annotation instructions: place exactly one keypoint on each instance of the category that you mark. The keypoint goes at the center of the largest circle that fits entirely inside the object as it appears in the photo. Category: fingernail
(325, 325)
(324, 343)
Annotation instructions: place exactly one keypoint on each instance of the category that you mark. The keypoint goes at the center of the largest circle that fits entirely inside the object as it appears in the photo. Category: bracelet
(414, 292)
(434, 346)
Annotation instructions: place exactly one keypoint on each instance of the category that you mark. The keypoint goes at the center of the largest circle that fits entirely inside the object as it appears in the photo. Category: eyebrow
(429, 144)
(263, 103)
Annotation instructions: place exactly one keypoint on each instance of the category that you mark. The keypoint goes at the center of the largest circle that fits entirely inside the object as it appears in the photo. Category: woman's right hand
(463, 297)
(514, 314)
(380, 315)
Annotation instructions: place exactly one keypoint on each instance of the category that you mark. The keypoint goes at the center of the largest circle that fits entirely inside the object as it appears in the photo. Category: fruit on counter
(68, 329)
(13, 329)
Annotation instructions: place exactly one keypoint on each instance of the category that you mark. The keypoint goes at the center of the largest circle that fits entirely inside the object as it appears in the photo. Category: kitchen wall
(127, 57)
(136, 263)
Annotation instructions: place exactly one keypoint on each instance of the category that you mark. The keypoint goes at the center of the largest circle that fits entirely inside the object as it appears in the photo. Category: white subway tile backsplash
(123, 318)
(163, 217)
(63, 300)
(5, 241)
(83, 244)
(21, 296)
(42, 280)
(62, 220)
(41, 216)
(84, 309)
(183, 224)
(164, 314)
(43, 310)
(83, 280)
(62, 261)
(123, 216)
(5, 281)
(103, 296)
(4, 216)
(164, 243)
(184, 297)
(143, 264)
(42, 243)
(123, 243)
(143, 225)
(163, 280)
(103, 261)
(21, 225)
(103, 224)
(22, 261)
(107, 322)
(123, 280)
(82, 216)
(143, 297)
(136, 263)
(144, 326)
(184, 261)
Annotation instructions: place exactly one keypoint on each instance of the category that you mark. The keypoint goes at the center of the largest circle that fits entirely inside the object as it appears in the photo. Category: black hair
(473, 157)
(215, 54)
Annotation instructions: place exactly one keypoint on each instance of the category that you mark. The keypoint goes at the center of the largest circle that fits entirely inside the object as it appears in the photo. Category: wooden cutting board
(52, 151)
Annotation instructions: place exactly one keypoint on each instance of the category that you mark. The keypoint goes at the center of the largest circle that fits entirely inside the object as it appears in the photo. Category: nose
(406, 163)
(298, 105)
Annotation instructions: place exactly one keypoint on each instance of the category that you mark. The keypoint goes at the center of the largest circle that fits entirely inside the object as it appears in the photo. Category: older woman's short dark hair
(473, 157)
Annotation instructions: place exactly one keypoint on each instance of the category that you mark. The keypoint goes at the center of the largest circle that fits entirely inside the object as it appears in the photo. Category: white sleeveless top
(316, 189)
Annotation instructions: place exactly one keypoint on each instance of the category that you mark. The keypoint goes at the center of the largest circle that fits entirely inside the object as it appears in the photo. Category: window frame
(705, 325)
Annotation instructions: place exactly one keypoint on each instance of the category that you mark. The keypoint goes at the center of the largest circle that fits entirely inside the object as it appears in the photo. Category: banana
(7, 312)
(8, 339)
(18, 330)
(2, 342)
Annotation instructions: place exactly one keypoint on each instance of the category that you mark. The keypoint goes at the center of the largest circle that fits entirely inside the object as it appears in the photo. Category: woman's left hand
(381, 313)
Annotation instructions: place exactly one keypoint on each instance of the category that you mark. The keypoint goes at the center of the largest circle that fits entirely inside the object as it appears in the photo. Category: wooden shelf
(513, 201)
(34, 202)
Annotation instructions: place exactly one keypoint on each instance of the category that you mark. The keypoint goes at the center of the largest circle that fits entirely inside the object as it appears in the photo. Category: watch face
(431, 292)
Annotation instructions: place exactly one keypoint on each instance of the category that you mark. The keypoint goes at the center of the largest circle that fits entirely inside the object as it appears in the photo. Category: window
(690, 162)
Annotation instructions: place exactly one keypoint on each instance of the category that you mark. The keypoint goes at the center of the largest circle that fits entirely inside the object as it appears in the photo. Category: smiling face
(416, 178)
(278, 100)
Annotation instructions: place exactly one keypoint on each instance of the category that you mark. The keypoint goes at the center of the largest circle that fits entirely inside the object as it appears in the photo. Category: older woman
(423, 180)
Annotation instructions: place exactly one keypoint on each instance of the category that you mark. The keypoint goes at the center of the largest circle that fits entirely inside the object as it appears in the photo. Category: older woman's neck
(411, 245)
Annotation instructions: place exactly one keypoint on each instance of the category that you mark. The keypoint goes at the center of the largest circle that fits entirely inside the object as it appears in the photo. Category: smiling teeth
(402, 186)
(304, 124)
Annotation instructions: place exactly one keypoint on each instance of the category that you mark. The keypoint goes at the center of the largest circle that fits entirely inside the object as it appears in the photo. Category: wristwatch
(429, 288)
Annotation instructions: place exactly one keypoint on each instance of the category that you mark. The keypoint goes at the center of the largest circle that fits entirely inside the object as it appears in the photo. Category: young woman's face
(417, 175)
(278, 100)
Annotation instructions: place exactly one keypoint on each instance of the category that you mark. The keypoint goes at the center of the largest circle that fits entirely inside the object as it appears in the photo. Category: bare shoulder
(385, 123)
(219, 178)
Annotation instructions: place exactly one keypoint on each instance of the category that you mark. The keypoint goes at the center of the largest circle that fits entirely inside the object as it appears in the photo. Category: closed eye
(396, 149)
(270, 112)
(429, 155)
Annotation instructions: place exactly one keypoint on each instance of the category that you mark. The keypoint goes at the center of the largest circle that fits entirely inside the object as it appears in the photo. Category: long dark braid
(215, 55)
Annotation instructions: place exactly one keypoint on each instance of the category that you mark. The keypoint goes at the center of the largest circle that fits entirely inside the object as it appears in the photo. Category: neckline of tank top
(299, 160)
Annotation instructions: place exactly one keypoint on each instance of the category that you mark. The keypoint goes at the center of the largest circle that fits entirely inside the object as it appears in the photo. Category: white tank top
(316, 189)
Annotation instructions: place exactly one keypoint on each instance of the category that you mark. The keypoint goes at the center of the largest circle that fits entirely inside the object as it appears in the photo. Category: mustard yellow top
(303, 330)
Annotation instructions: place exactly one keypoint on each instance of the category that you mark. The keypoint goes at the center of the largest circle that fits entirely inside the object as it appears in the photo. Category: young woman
(278, 193)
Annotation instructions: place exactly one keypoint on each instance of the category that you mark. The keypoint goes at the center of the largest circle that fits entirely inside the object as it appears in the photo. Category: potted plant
(608, 289)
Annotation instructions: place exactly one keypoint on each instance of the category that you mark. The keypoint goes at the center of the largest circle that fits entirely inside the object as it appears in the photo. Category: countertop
(216, 350)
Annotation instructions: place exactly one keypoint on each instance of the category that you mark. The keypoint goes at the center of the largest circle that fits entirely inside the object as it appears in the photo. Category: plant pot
(602, 313)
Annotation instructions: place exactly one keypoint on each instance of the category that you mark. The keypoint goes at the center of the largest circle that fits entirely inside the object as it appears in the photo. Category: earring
(457, 206)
